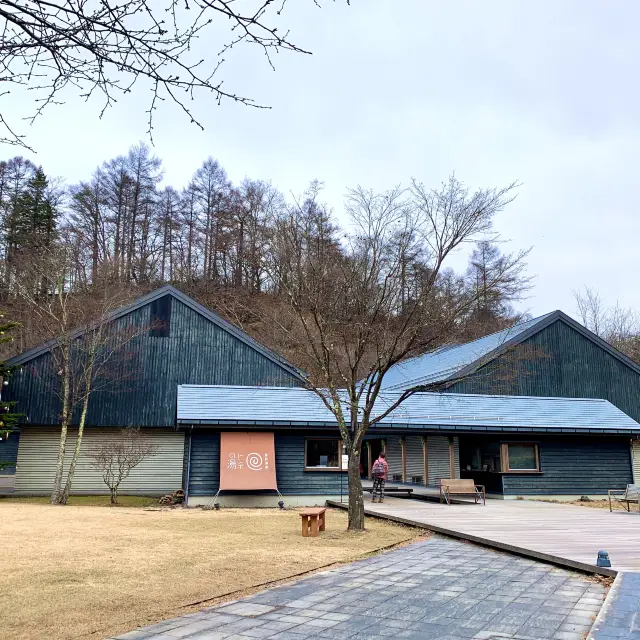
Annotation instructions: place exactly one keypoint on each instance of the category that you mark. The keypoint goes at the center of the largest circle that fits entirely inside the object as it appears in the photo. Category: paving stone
(340, 617)
(439, 588)
(568, 635)
(569, 626)
(310, 613)
(247, 609)
(279, 625)
(575, 618)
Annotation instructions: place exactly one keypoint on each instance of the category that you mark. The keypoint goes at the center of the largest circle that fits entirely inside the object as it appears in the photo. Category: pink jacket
(386, 466)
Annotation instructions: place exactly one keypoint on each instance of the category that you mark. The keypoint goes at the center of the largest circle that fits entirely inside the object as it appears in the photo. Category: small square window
(322, 454)
(521, 457)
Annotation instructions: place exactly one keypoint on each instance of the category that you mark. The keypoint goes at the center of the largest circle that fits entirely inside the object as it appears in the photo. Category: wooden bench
(626, 497)
(313, 520)
(450, 487)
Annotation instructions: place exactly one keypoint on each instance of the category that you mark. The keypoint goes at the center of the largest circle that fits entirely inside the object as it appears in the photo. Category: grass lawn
(88, 501)
(91, 572)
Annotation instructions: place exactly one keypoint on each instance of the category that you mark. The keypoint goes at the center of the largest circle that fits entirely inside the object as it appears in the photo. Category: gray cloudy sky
(543, 92)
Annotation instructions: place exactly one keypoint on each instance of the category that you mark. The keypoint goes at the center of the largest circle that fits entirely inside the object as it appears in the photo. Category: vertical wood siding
(456, 457)
(394, 457)
(9, 453)
(438, 458)
(576, 466)
(292, 479)
(415, 457)
(559, 362)
(142, 384)
(38, 453)
(635, 451)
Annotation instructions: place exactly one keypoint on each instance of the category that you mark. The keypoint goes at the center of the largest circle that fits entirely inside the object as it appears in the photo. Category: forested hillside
(125, 229)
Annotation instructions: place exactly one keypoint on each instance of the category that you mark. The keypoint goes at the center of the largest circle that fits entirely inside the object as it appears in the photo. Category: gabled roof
(189, 302)
(455, 361)
(299, 407)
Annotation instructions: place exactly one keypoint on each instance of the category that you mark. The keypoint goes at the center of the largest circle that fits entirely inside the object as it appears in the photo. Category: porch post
(452, 459)
(425, 455)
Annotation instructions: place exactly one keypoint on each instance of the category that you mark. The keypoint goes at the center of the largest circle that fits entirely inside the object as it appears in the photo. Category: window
(520, 456)
(322, 454)
(160, 318)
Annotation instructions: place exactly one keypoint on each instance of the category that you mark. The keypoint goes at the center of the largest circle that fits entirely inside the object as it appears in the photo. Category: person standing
(379, 472)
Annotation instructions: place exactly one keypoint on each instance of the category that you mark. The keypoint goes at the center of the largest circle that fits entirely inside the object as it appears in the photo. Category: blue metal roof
(295, 406)
(450, 360)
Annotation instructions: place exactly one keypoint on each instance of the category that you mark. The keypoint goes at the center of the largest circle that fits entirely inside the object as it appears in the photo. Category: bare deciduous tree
(103, 49)
(84, 343)
(347, 311)
(618, 325)
(116, 458)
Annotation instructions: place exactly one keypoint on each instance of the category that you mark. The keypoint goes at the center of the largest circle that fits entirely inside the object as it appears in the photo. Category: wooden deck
(565, 534)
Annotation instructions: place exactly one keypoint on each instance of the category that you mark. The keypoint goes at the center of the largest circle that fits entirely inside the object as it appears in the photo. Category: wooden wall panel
(415, 458)
(143, 381)
(290, 474)
(559, 362)
(575, 466)
(38, 453)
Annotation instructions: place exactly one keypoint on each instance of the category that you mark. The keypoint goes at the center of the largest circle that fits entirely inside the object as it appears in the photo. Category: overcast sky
(542, 92)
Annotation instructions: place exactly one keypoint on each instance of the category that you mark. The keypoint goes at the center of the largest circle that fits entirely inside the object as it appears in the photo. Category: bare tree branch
(106, 48)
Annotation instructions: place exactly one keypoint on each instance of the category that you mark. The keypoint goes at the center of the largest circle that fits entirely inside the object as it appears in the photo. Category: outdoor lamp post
(603, 559)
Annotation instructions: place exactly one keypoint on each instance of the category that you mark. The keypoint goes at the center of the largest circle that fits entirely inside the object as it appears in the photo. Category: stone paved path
(621, 618)
(438, 589)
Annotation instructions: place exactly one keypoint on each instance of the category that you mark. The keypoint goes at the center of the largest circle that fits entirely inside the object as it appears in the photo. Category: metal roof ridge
(384, 393)
(453, 345)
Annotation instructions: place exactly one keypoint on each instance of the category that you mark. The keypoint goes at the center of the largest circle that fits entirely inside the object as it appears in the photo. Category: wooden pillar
(403, 457)
(369, 460)
(452, 459)
(425, 455)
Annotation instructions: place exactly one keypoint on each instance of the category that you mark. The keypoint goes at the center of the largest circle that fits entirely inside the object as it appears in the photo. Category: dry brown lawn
(592, 504)
(92, 572)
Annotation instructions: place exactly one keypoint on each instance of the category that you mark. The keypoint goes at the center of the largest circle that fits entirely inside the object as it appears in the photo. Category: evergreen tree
(33, 221)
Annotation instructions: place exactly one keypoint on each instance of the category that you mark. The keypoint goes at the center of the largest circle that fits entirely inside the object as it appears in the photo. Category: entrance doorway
(370, 451)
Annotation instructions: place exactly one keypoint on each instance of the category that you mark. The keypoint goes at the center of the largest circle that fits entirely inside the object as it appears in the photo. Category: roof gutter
(417, 428)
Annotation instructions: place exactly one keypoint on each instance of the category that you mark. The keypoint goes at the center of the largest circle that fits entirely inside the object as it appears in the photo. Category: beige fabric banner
(247, 461)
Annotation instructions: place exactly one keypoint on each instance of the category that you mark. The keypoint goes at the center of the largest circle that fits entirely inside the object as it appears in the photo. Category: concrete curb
(606, 605)
(502, 546)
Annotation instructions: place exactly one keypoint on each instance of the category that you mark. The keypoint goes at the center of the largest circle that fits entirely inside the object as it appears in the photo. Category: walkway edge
(606, 605)
(503, 546)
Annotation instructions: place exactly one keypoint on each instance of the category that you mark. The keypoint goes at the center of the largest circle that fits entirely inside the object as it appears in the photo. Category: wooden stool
(313, 520)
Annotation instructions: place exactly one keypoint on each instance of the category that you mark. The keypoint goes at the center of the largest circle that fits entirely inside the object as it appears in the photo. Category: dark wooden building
(549, 356)
(173, 340)
(176, 343)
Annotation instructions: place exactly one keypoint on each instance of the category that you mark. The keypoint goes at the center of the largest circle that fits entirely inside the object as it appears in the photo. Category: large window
(322, 454)
(520, 456)
(493, 456)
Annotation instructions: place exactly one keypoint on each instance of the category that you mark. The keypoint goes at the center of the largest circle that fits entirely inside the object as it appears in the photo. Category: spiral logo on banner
(254, 461)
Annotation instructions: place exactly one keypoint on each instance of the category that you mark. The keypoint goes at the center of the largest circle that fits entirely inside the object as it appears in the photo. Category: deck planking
(567, 534)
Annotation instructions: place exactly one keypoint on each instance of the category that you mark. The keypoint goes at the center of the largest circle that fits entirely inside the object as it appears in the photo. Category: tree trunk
(64, 427)
(114, 495)
(57, 480)
(76, 452)
(356, 501)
